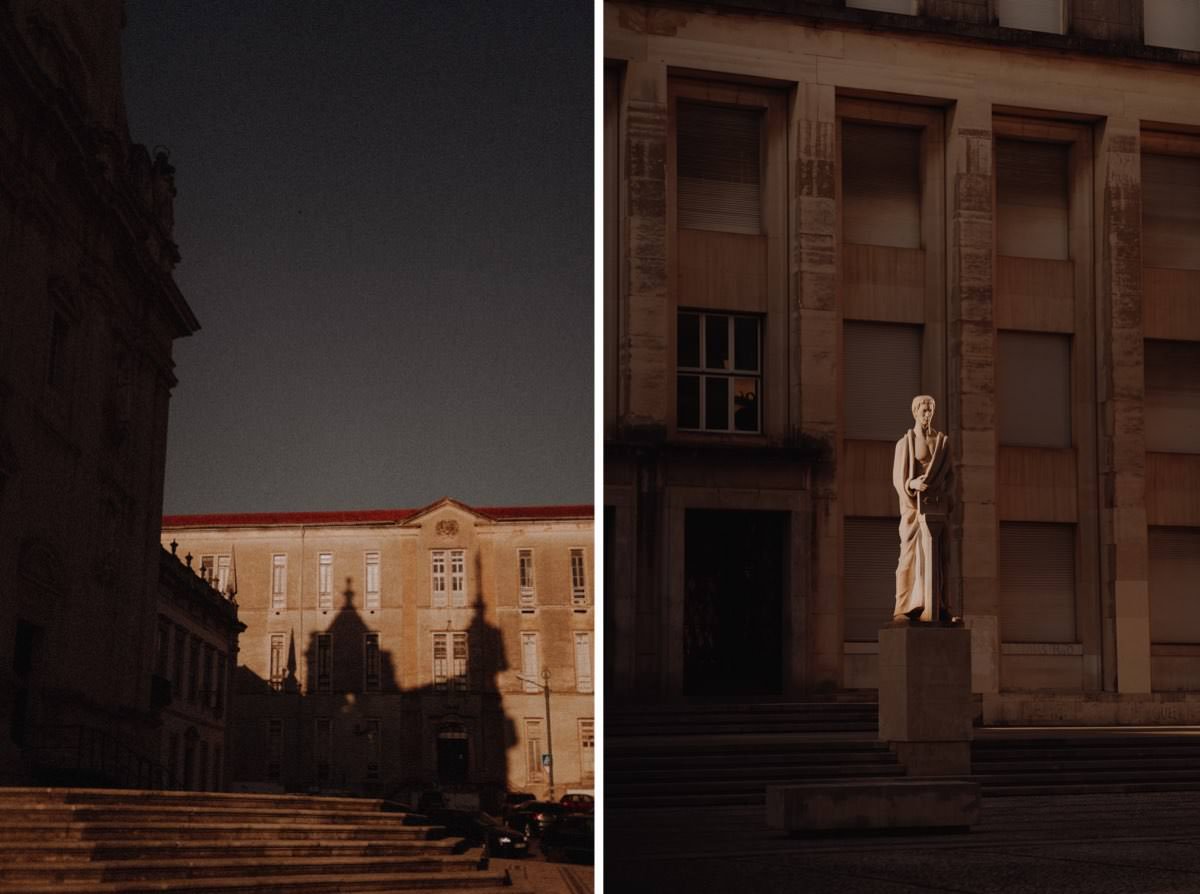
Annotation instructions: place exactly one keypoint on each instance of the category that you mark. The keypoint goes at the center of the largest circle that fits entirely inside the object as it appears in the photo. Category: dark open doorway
(453, 757)
(734, 580)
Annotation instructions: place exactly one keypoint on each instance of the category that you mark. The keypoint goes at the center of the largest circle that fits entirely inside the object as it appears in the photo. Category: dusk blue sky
(385, 216)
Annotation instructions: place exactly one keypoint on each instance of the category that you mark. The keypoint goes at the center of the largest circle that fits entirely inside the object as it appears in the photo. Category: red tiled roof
(366, 516)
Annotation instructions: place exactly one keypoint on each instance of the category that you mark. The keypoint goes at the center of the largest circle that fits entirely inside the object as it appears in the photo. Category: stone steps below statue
(48, 796)
(773, 774)
(417, 883)
(716, 759)
(213, 831)
(68, 850)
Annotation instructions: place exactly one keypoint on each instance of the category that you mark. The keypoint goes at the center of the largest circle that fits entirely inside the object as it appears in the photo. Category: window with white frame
(323, 749)
(274, 752)
(372, 577)
(208, 568)
(325, 581)
(279, 581)
(719, 377)
(587, 748)
(450, 661)
(530, 668)
(458, 578)
(437, 571)
(579, 578)
(374, 746)
(276, 662)
(533, 749)
(525, 579)
(583, 661)
(324, 662)
(371, 662)
(222, 574)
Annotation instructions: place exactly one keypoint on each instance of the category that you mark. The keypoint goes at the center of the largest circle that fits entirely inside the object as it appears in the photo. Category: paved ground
(1136, 843)
(536, 874)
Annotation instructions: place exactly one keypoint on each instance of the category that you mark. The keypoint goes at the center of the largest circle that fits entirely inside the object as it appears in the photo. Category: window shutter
(1031, 15)
(1174, 585)
(1033, 210)
(1034, 387)
(881, 185)
(1037, 582)
(720, 168)
(905, 7)
(1172, 396)
(1172, 23)
(882, 375)
(1171, 212)
(872, 548)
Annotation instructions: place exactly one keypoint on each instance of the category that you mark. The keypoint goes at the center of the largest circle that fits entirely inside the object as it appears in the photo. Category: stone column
(971, 381)
(815, 356)
(644, 375)
(1123, 535)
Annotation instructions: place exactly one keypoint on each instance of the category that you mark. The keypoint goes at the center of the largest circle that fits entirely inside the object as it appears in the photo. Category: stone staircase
(1085, 761)
(720, 754)
(108, 840)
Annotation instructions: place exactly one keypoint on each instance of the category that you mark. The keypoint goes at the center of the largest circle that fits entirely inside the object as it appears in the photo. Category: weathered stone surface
(885, 804)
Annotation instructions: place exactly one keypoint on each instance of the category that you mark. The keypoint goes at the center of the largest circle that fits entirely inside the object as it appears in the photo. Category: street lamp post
(549, 733)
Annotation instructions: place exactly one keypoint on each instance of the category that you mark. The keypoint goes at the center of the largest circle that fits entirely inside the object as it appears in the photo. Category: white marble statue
(923, 476)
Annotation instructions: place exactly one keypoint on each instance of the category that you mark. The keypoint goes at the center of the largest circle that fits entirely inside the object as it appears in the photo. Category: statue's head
(923, 407)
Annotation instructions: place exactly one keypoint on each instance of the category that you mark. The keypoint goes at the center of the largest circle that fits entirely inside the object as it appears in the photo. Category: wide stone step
(147, 813)
(707, 729)
(43, 872)
(656, 776)
(51, 851)
(441, 882)
(841, 702)
(1059, 762)
(1066, 777)
(739, 745)
(40, 795)
(216, 831)
(736, 799)
(1067, 742)
(634, 763)
(1093, 788)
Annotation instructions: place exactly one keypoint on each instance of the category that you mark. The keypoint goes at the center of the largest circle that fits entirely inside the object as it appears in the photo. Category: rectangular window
(219, 704)
(177, 676)
(279, 581)
(1033, 205)
(207, 693)
(438, 578)
(525, 579)
(459, 678)
(881, 185)
(882, 367)
(719, 181)
(587, 748)
(162, 647)
(374, 746)
(719, 380)
(1171, 211)
(371, 662)
(194, 670)
(870, 577)
(372, 577)
(1174, 584)
(530, 670)
(1032, 15)
(1037, 582)
(208, 568)
(324, 662)
(1033, 388)
(441, 665)
(458, 578)
(1172, 23)
(583, 661)
(533, 749)
(325, 581)
(222, 574)
(1172, 405)
(323, 749)
(274, 753)
(579, 597)
(277, 659)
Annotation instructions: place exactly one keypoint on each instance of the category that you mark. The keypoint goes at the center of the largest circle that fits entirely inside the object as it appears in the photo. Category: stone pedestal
(925, 697)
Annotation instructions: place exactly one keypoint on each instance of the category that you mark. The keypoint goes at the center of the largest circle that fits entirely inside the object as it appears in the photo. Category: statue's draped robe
(918, 577)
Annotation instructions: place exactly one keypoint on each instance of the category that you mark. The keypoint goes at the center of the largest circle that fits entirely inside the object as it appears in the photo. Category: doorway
(734, 579)
(453, 756)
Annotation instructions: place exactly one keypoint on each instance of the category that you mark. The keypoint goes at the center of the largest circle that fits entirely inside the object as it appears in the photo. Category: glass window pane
(688, 340)
(745, 402)
(745, 343)
(687, 401)
(716, 342)
(716, 403)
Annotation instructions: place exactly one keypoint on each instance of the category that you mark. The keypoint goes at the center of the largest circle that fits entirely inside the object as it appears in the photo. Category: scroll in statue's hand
(918, 484)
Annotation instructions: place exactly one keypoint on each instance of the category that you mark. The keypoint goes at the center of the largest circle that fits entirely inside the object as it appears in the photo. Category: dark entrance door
(452, 758)
(733, 601)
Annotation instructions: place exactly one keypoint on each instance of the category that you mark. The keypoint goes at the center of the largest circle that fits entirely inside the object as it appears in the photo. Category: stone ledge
(873, 804)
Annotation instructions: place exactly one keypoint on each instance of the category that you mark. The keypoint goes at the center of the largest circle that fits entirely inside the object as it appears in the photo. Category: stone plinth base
(873, 804)
(925, 708)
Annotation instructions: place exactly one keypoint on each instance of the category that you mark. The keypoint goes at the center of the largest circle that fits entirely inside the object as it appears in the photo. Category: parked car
(577, 802)
(477, 828)
(571, 838)
(534, 816)
(513, 800)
